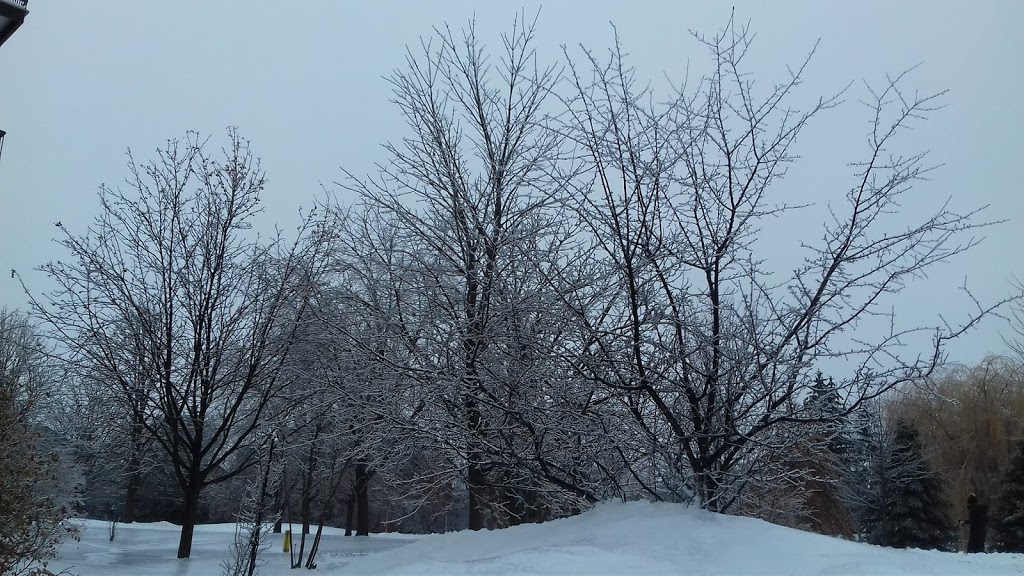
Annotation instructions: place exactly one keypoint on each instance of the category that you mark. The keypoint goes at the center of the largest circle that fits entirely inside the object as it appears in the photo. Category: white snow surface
(613, 538)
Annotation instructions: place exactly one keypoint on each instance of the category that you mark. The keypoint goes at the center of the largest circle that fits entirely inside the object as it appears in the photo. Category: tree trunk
(279, 497)
(131, 494)
(136, 444)
(349, 513)
(315, 547)
(304, 509)
(307, 487)
(709, 488)
(475, 479)
(188, 520)
(476, 498)
(362, 498)
(475, 473)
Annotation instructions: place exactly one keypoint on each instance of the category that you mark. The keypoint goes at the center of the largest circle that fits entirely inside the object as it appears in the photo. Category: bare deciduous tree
(465, 193)
(709, 353)
(182, 310)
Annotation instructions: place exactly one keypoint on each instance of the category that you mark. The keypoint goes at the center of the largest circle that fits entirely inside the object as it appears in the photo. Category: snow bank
(643, 538)
(613, 538)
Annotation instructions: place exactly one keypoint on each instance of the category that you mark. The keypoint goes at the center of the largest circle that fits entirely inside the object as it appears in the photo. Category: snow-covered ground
(614, 538)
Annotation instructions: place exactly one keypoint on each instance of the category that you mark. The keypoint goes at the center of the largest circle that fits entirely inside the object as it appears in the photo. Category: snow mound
(644, 538)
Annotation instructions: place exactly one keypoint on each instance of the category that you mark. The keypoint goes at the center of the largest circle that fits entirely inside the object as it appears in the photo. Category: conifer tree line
(550, 294)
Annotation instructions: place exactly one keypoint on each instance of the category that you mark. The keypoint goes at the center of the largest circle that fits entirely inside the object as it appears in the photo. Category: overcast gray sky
(82, 81)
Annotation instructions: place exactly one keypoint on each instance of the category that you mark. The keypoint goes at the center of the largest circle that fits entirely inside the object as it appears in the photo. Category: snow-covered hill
(614, 538)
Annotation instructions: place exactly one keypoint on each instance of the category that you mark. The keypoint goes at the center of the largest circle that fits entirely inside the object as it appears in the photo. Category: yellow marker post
(287, 540)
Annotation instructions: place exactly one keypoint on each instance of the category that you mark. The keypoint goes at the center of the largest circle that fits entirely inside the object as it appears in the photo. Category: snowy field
(635, 538)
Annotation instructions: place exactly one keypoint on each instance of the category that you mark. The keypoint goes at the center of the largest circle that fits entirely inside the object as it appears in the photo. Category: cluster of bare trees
(571, 286)
(549, 294)
(33, 510)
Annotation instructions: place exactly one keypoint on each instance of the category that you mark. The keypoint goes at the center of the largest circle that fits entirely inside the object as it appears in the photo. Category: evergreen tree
(865, 470)
(1008, 521)
(827, 452)
(915, 512)
(823, 402)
